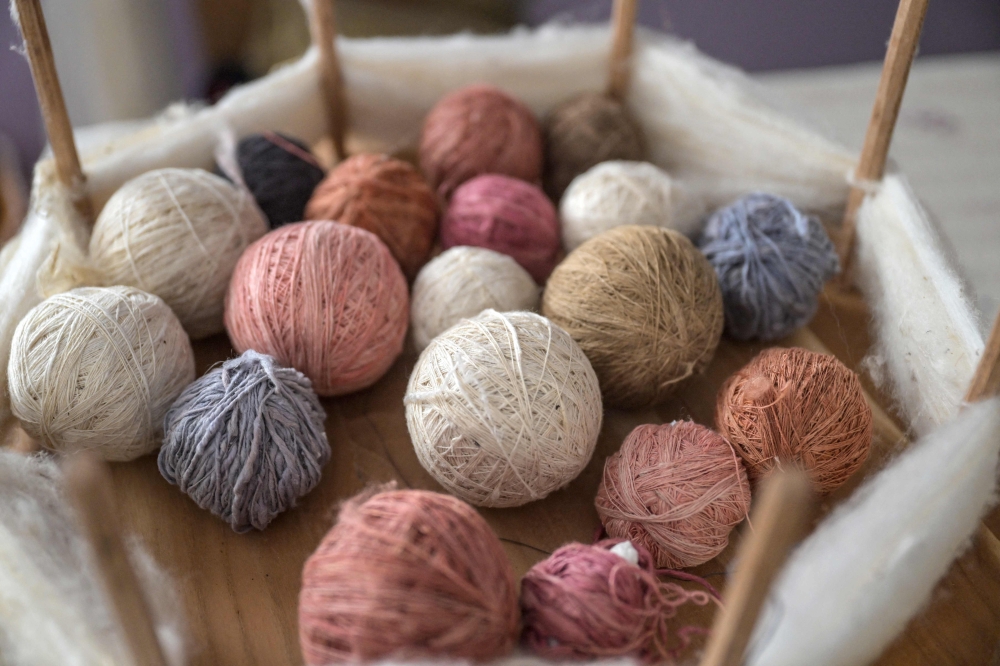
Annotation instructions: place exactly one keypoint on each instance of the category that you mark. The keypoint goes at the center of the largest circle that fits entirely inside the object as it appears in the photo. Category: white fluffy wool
(462, 282)
(852, 586)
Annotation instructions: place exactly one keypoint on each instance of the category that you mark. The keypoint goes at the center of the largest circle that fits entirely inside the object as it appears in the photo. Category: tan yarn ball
(177, 233)
(503, 409)
(462, 282)
(644, 305)
(97, 369)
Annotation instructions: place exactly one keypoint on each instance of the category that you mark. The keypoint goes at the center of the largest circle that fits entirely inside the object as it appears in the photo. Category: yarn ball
(246, 440)
(677, 489)
(612, 194)
(644, 305)
(800, 406)
(177, 233)
(503, 409)
(605, 600)
(408, 575)
(462, 282)
(772, 262)
(325, 298)
(506, 215)
(281, 173)
(475, 130)
(386, 196)
(96, 368)
(585, 131)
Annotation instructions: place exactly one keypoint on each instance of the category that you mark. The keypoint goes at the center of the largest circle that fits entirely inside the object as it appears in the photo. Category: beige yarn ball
(177, 233)
(97, 368)
(503, 409)
(462, 282)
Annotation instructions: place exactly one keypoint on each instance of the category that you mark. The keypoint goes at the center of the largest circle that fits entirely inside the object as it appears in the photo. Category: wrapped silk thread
(506, 215)
(475, 130)
(645, 307)
(325, 298)
(386, 196)
(246, 440)
(503, 409)
(96, 368)
(407, 574)
(794, 404)
(281, 173)
(462, 282)
(177, 233)
(772, 262)
(677, 489)
(590, 602)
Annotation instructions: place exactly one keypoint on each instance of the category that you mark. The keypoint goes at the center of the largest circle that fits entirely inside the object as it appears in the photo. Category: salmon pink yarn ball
(325, 298)
(508, 216)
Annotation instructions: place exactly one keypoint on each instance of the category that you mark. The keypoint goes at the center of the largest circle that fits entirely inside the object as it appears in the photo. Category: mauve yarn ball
(246, 440)
(407, 575)
(281, 173)
(506, 215)
(325, 298)
(386, 196)
(772, 262)
(479, 129)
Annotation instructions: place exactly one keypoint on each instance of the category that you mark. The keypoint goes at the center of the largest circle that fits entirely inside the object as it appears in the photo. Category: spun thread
(281, 174)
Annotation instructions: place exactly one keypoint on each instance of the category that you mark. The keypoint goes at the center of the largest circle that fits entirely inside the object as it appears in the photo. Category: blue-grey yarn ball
(246, 441)
(772, 262)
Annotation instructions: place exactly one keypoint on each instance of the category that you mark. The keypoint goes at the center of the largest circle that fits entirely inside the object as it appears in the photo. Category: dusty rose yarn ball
(506, 215)
(479, 129)
(386, 196)
(325, 298)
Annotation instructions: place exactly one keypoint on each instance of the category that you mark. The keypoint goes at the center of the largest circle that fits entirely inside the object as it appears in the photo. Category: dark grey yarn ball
(772, 262)
(246, 440)
(281, 174)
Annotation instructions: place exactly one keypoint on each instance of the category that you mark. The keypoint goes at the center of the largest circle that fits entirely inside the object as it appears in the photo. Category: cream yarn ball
(462, 282)
(98, 368)
(503, 409)
(177, 233)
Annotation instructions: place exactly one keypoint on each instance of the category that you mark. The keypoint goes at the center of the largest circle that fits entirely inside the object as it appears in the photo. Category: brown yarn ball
(801, 406)
(386, 196)
(475, 130)
(644, 305)
(584, 131)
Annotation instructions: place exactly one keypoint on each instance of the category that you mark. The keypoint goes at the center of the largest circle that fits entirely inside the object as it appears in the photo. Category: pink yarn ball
(325, 298)
(505, 215)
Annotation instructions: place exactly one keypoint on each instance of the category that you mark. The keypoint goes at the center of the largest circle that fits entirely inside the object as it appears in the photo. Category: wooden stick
(895, 71)
(323, 27)
(89, 486)
(779, 521)
(52, 103)
(986, 380)
(623, 28)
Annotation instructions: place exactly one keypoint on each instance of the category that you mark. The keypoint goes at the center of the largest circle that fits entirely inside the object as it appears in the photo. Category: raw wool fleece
(52, 605)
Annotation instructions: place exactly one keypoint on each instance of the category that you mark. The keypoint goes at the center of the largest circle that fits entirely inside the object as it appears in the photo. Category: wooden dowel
(623, 29)
(779, 521)
(88, 483)
(875, 151)
(323, 27)
(53, 105)
(986, 380)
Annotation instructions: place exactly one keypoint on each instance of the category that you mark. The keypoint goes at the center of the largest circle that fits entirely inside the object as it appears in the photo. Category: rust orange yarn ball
(386, 196)
(801, 406)
(479, 129)
(325, 298)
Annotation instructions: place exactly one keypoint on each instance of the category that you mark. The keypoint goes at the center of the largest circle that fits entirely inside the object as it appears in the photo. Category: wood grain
(622, 33)
(323, 28)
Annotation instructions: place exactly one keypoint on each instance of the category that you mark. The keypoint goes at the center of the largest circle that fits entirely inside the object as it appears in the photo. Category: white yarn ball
(503, 409)
(177, 233)
(462, 282)
(97, 368)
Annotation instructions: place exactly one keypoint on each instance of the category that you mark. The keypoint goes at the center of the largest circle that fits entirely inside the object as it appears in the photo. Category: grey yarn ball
(246, 441)
(772, 262)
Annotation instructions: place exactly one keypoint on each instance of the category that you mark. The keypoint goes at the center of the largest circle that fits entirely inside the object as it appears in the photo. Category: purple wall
(19, 115)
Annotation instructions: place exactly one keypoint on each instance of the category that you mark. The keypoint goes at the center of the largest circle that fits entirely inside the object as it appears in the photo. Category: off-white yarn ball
(503, 409)
(613, 194)
(462, 282)
(177, 233)
(97, 368)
